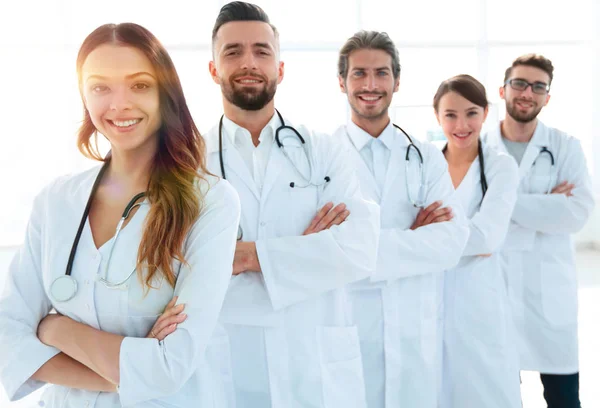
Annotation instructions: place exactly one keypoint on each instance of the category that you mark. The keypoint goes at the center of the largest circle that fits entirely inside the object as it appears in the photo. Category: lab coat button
(86, 404)
(262, 224)
(41, 403)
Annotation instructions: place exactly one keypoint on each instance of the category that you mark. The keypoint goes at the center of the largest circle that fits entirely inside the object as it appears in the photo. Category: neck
(517, 131)
(253, 121)
(129, 171)
(373, 127)
(455, 155)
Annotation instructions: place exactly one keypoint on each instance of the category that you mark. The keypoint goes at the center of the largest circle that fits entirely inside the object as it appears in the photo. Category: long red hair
(178, 164)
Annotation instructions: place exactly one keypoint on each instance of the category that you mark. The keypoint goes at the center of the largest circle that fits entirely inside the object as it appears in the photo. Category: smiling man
(288, 326)
(423, 231)
(555, 200)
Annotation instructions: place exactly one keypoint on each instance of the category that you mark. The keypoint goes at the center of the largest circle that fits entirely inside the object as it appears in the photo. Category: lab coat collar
(360, 138)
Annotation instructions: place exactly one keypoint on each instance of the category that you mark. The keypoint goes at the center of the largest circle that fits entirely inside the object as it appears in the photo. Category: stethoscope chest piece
(63, 288)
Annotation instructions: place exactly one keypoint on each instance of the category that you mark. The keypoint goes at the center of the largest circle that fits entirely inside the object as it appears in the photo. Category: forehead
(116, 61)
(455, 101)
(530, 74)
(368, 58)
(244, 33)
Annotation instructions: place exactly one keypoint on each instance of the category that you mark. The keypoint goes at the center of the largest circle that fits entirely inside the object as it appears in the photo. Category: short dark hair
(532, 60)
(241, 11)
(372, 40)
(464, 85)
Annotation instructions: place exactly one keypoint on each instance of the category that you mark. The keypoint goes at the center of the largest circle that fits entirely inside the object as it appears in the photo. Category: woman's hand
(168, 321)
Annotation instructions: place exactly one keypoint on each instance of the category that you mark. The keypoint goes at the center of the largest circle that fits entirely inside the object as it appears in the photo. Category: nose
(120, 99)
(370, 82)
(527, 92)
(249, 61)
(461, 124)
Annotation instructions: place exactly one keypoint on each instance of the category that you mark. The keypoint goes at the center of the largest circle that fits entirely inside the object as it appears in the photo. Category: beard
(370, 114)
(249, 98)
(521, 117)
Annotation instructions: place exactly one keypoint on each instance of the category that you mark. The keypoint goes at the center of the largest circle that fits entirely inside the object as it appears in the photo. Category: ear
(547, 99)
(280, 72)
(212, 69)
(501, 92)
(342, 84)
(397, 86)
(485, 112)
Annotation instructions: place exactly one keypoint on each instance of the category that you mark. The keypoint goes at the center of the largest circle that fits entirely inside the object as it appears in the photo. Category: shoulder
(66, 189)
(499, 162)
(218, 195)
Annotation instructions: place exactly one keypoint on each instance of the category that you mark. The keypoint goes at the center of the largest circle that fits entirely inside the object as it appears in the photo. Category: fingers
(443, 214)
(331, 215)
(485, 255)
(175, 310)
(341, 217)
(318, 217)
(563, 188)
(168, 326)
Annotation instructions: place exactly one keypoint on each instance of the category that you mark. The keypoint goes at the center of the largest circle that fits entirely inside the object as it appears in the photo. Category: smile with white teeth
(126, 123)
(249, 81)
(369, 98)
(462, 135)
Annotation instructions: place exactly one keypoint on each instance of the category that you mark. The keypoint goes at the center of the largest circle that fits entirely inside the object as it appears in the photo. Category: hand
(48, 328)
(563, 188)
(168, 321)
(485, 255)
(432, 214)
(245, 258)
(327, 217)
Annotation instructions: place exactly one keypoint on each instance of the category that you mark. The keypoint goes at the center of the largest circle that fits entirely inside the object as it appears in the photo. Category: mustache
(248, 75)
(370, 93)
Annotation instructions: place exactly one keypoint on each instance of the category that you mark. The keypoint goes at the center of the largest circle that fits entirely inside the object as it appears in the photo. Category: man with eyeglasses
(555, 200)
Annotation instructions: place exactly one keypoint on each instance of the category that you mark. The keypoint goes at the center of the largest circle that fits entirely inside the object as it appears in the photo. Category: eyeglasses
(540, 88)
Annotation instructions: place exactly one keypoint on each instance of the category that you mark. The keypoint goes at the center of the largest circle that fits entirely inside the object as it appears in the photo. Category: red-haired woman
(120, 250)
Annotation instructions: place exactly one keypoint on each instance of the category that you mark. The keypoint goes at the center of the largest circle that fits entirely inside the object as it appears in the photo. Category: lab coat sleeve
(434, 247)
(557, 213)
(150, 369)
(23, 304)
(489, 226)
(296, 268)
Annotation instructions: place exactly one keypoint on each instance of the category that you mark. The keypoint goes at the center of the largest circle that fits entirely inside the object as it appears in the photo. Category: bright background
(40, 106)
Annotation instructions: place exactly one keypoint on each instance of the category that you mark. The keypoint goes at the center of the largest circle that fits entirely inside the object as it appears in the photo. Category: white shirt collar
(360, 138)
(238, 136)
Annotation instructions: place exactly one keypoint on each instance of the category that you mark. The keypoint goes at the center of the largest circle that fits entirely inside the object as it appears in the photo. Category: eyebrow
(230, 46)
(472, 108)
(535, 82)
(375, 69)
(131, 76)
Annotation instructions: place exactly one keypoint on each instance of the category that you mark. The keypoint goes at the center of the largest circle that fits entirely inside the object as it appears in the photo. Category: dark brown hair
(372, 40)
(241, 11)
(464, 85)
(178, 164)
(532, 60)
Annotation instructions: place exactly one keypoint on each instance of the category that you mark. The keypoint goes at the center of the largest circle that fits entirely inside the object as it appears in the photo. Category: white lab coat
(480, 359)
(538, 256)
(294, 320)
(173, 372)
(396, 309)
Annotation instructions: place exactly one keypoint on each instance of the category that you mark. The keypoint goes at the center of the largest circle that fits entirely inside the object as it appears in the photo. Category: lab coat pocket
(341, 367)
(559, 294)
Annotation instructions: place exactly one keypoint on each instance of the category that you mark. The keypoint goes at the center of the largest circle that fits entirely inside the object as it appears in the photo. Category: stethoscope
(420, 201)
(545, 150)
(293, 184)
(64, 287)
(482, 178)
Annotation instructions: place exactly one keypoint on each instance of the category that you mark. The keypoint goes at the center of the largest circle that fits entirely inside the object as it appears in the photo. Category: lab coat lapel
(369, 185)
(232, 160)
(275, 169)
(395, 163)
(465, 189)
(539, 139)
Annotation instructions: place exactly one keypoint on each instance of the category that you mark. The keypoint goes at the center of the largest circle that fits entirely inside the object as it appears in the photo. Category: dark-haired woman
(480, 367)
(120, 250)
